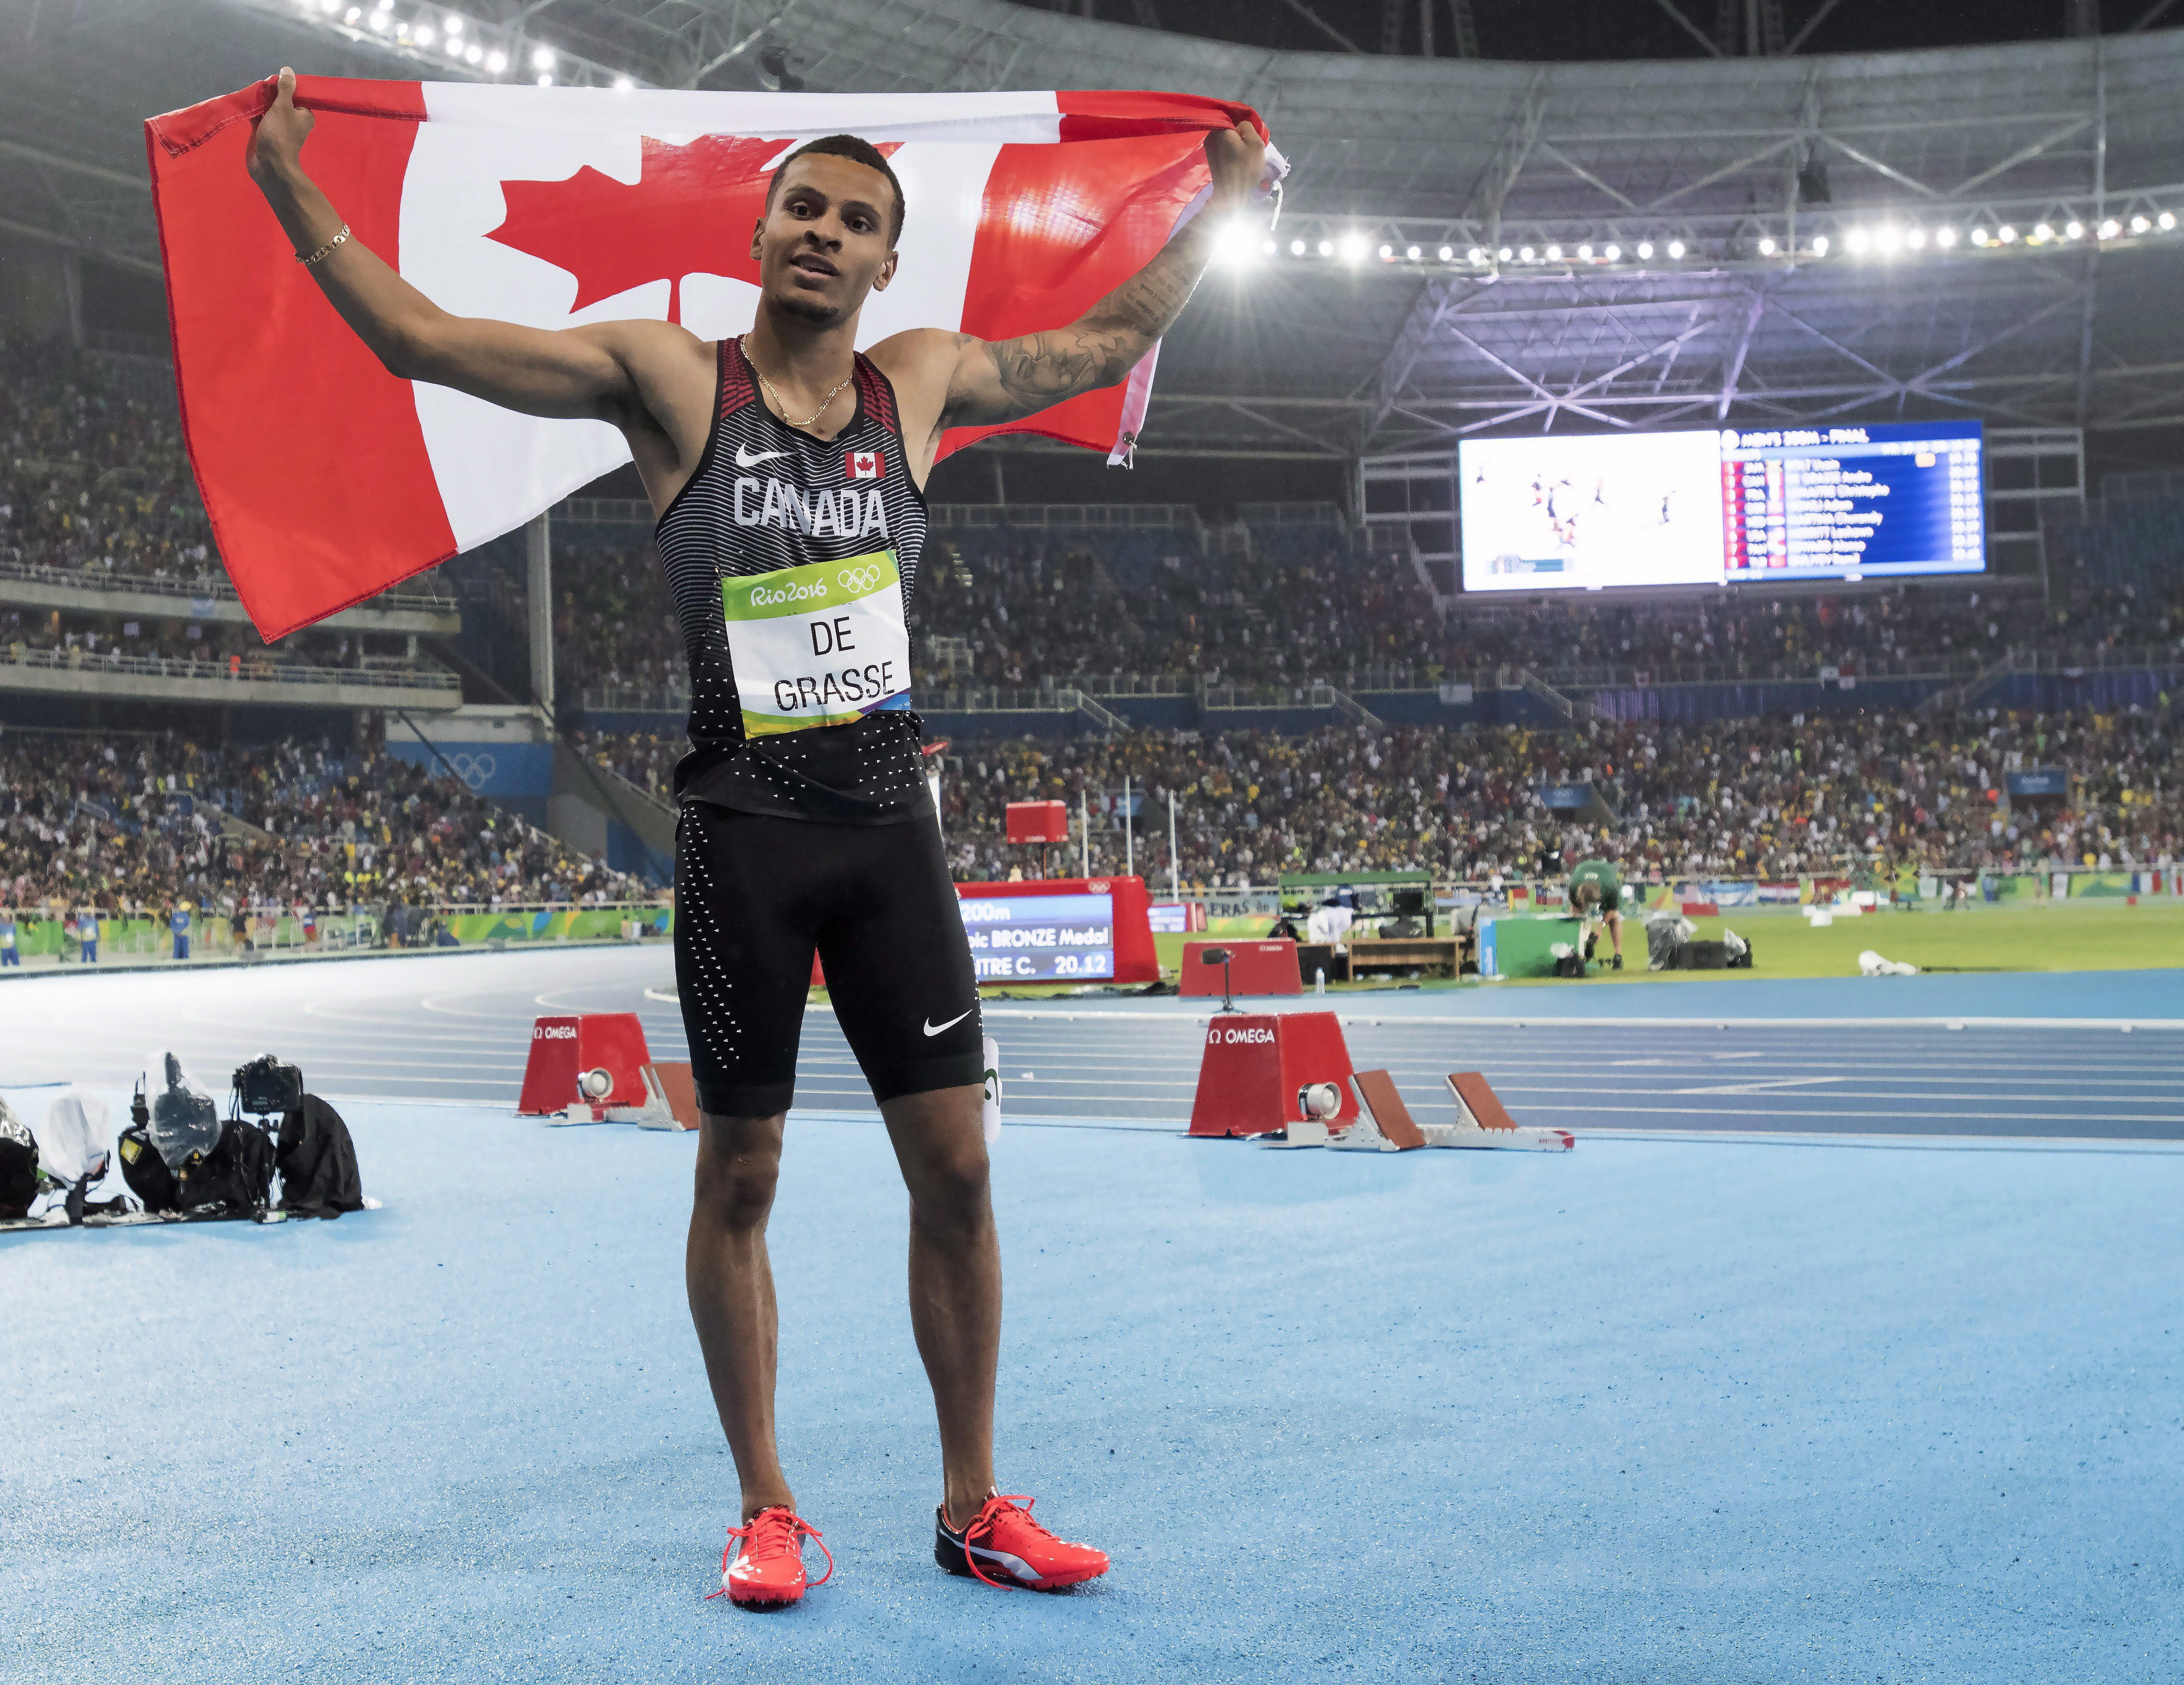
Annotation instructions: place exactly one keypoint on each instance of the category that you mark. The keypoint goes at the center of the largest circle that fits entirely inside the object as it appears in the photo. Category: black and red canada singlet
(767, 497)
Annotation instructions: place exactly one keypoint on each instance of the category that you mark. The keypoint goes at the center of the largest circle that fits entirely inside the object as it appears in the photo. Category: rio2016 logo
(761, 597)
(862, 579)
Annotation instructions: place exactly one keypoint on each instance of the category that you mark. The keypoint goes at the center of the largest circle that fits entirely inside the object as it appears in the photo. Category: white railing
(204, 587)
(251, 671)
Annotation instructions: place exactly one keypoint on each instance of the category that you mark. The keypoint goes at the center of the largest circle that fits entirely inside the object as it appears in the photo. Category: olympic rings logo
(474, 769)
(862, 579)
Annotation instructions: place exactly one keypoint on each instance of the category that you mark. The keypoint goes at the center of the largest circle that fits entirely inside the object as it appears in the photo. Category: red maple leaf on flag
(689, 212)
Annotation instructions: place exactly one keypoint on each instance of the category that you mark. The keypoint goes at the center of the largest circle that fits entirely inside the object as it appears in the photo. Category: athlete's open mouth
(812, 264)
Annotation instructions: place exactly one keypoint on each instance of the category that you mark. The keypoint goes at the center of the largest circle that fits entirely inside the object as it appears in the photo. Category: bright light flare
(1676, 248)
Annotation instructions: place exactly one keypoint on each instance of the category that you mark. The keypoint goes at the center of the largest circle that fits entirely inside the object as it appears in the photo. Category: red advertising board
(1135, 962)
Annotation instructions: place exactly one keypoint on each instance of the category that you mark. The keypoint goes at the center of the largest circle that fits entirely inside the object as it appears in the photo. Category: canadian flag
(864, 465)
(328, 480)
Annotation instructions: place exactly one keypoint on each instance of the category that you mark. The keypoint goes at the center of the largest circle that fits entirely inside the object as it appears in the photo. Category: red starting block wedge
(563, 1050)
(1482, 1120)
(1254, 1064)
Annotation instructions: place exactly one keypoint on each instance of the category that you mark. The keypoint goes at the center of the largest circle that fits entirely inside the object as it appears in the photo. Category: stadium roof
(1733, 191)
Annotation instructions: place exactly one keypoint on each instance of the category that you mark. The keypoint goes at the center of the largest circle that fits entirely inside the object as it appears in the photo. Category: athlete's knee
(949, 1189)
(736, 1179)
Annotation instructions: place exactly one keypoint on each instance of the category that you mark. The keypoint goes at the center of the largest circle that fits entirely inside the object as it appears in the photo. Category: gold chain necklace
(780, 405)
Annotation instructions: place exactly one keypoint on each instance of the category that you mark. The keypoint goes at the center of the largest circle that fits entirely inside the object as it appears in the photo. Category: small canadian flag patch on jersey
(864, 465)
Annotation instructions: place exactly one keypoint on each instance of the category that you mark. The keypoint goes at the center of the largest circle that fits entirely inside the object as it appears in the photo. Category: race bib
(817, 645)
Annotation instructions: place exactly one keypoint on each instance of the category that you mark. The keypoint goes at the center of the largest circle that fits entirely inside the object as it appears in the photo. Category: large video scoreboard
(1722, 507)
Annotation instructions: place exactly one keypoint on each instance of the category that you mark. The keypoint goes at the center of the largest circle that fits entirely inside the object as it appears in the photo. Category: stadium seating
(132, 820)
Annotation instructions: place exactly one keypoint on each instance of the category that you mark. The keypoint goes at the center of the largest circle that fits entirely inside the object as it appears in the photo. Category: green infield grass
(2042, 936)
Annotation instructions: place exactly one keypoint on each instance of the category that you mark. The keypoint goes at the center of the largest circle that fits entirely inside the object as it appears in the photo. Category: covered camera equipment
(18, 1166)
(265, 1087)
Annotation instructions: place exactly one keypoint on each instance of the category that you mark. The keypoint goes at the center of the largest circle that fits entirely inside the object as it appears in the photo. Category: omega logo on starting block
(554, 1032)
(1214, 1037)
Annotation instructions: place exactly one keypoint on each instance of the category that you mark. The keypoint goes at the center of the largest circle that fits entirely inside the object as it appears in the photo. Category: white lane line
(1599, 1108)
(1557, 1021)
(1774, 1084)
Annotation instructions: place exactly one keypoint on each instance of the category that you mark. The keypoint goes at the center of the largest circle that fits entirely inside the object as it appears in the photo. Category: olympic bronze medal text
(1041, 938)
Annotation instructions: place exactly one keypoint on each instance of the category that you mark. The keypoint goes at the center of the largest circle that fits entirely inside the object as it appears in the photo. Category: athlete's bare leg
(730, 1285)
(954, 1279)
(1614, 921)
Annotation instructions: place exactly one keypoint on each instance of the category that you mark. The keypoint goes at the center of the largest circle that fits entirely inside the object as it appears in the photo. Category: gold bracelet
(308, 261)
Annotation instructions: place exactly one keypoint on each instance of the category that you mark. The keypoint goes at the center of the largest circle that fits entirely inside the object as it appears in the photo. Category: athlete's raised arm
(593, 372)
(968, 382)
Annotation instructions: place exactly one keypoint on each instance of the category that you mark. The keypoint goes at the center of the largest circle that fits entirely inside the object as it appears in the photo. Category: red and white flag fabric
(328, 480)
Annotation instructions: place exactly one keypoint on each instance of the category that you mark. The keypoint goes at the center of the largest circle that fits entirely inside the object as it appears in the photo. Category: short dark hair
(857, 151)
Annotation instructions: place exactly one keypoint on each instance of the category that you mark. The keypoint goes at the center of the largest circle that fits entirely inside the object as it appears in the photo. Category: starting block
(1482, 1120)
(1385, 1123)
(607, 1048)
(1254, 1064)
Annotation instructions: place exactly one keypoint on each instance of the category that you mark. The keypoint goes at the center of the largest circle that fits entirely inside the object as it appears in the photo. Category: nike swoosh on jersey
(932, 1029)
(743, 462)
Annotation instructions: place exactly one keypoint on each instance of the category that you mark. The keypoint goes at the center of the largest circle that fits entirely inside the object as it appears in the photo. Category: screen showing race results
(1041, 938)
(1589, 512)
(1830, 503)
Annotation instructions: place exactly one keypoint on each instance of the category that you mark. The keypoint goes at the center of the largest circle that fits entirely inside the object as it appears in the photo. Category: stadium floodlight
(2007, 234)
(1645, 248)
(455, 46)
(1766, 245)
(1820, 245)
(1855, 242)
(351, 15)
(2139, 225)
(454, 25)
(2041, 233)
(1554, 254)
(1327, 248)
(1353, 248)
(1411, 252)
(1475, 255)
(1505, 254)
(2110, 228)
(1676, 248)
(1235, 244)
(1915, 238)
(545, 78)
(1945, 238)
(543, 58)
(1889, 239)
(1585, 254)
(1523, 254)
(1447, 254)
(423, 37)
(2166, 221)
(623, 84)
(1387, 253)
(1267, 248)
(473, 53)
(380, 22)
(495, 63)
(2073, 231)
(1296, 249)
(1979, 237)
(1614, 254)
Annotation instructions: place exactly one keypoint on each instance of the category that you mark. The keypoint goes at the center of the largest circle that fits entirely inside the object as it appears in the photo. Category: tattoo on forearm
(1041, 369)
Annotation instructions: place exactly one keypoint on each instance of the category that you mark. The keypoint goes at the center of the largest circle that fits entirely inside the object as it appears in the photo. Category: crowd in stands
(1758, 798)
(1016, 608)
(1769, 798)
(128, 823)
(93, 475)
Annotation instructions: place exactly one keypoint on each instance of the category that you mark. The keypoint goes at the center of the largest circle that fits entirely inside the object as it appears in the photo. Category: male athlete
(1595, 892)
(789, 473)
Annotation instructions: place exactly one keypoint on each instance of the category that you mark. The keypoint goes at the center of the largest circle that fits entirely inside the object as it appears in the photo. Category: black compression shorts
(756, 895)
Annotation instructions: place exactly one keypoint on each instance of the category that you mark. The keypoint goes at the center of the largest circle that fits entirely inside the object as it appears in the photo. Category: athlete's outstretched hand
(1238, 158)
(277, 138)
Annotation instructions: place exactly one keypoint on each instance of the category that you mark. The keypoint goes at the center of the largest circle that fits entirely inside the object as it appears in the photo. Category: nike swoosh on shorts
(932, 1029)
(743, 462)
